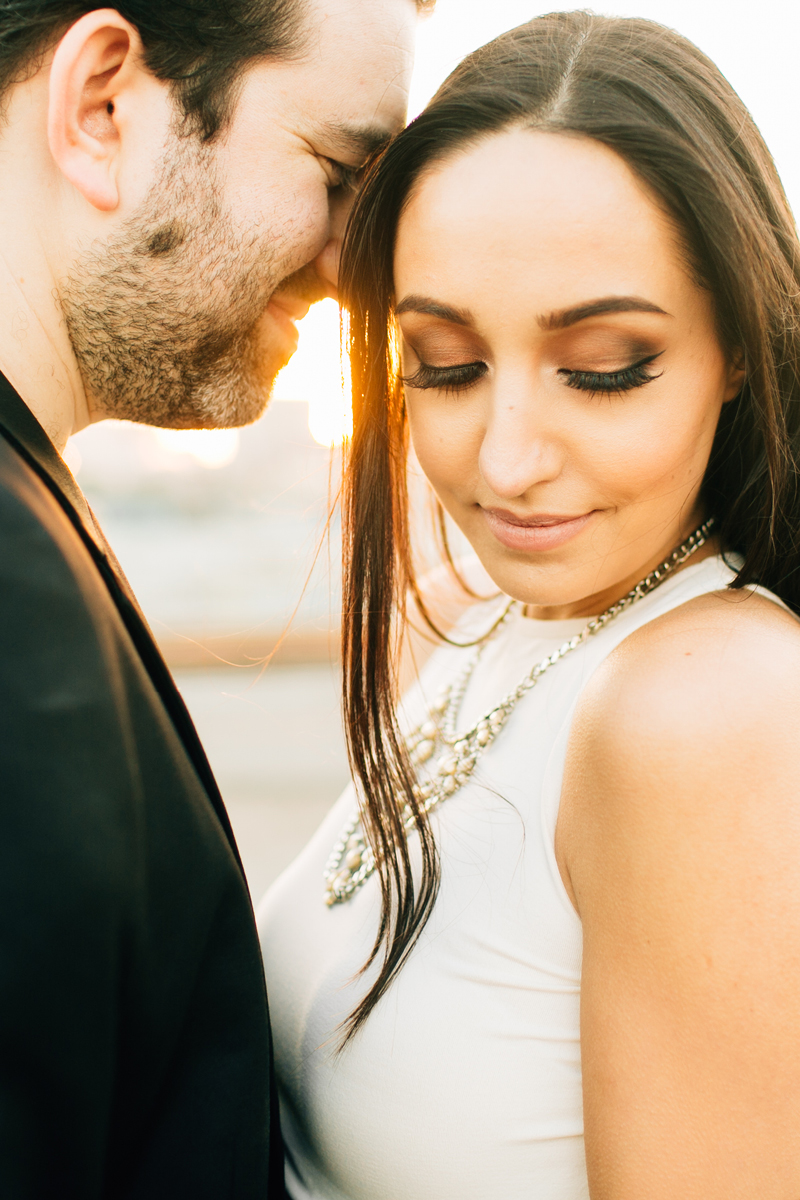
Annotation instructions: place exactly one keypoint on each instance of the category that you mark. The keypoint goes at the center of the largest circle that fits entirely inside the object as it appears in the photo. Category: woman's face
(563, 373)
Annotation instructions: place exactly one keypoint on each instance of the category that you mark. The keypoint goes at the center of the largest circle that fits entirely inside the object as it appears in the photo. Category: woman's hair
(655, 99)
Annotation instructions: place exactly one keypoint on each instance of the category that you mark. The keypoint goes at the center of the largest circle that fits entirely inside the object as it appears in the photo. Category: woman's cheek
(446, 445)
(628, 467)
(658, 453)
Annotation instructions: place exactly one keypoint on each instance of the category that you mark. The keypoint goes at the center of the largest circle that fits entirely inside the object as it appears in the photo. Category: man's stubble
(167, 318)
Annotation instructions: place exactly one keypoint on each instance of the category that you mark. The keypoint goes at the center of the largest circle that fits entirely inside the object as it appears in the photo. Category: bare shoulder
(720, 661)
(692, 723)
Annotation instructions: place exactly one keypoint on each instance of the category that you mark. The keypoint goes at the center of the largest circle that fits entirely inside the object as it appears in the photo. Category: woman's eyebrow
(432, 308)
(595, 308)
(560, 319)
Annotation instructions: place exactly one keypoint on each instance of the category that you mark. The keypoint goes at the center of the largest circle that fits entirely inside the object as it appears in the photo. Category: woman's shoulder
(728, 652)
(692, 723)
(716, 668)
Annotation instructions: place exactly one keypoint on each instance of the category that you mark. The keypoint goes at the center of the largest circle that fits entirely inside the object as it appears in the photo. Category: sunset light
(318, 375)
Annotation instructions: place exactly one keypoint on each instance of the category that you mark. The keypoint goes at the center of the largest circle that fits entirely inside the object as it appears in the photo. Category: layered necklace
(352, 861)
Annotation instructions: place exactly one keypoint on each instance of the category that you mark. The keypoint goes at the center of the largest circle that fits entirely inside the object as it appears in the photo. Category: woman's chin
(534, 584)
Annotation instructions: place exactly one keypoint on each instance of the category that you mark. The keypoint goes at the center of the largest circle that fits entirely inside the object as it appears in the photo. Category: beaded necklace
(352, 861)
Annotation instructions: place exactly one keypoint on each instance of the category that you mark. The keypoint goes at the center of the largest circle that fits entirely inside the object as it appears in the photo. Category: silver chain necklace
(352, 861)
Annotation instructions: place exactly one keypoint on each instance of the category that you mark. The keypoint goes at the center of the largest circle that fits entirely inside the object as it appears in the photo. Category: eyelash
(612, 383)
(447, 379)
(459, 378)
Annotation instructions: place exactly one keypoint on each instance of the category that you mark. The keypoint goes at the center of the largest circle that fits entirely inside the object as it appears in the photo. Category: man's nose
(326, 264)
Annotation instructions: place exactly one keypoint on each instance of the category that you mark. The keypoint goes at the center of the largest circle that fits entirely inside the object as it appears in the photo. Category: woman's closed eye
(609, 383)
(446, 379)
(462, 375)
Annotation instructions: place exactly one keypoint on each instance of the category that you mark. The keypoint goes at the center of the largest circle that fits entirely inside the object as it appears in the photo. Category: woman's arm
(680, 839)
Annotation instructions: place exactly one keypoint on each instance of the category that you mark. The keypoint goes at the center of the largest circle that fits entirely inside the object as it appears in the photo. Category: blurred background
(222, 533)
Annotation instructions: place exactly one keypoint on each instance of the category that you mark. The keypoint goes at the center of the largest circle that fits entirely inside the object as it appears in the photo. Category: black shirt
(134, 1037)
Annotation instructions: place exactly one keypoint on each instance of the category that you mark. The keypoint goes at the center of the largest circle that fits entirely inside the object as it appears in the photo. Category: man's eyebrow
(432, 308)
(357, 142)
(597, 308)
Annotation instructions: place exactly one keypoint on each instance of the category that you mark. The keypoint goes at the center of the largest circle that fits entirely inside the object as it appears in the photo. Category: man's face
(186, 315)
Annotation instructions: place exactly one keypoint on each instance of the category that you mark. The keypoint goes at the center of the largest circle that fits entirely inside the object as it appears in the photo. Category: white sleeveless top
(465, 1081)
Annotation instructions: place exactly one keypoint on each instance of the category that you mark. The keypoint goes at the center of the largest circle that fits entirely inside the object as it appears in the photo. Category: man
(173, 182)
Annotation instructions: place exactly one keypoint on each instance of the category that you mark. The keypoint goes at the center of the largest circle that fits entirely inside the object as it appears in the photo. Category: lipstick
(541, 531)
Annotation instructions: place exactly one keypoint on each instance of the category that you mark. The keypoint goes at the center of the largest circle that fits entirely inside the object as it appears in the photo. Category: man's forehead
(364, 51)
(346, 92)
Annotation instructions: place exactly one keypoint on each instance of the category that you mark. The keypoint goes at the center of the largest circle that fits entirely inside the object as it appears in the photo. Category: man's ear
(92, 79)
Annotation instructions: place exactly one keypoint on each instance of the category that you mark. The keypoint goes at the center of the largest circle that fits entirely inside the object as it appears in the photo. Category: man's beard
(166, 319)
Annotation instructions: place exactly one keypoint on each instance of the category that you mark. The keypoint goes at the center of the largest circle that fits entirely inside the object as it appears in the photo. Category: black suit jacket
(134, 1038)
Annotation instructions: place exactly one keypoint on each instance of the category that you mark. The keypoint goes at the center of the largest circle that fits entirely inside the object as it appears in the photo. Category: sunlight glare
(318, 375)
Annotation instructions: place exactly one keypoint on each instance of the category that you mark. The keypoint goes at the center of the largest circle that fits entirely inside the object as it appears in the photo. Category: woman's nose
(518, 451)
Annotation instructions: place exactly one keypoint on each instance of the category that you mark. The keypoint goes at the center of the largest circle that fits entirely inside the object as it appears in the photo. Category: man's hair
(200, 46)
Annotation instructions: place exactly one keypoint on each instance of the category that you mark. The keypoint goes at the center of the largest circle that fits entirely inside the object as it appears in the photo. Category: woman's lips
(540, 532)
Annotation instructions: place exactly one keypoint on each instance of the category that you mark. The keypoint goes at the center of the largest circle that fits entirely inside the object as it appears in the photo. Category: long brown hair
(656, 100)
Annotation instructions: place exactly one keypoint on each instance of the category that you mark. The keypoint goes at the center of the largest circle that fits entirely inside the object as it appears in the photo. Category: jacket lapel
(23, 431)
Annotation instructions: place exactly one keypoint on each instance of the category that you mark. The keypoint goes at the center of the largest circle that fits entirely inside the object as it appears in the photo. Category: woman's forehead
(549, 217)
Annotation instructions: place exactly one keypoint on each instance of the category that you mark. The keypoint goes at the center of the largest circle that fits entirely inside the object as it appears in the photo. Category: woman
(575, 880)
